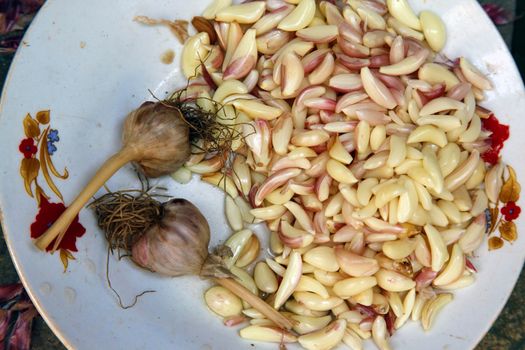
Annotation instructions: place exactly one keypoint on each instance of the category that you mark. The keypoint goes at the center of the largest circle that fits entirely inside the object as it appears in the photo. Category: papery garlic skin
(159, 134)
(177, 244)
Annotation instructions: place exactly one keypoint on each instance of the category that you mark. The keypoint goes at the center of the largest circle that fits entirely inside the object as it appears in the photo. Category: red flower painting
(28, 148)
(48, 213)
(510, 211)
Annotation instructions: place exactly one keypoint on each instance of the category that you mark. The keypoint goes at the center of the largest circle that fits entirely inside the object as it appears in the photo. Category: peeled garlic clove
(293, 237)
(373, 19)
(267, 334)
(377, 91)
(399, 249)
(454, 268)
(244, 57)
(434, 73)
(494, 182)
(228, 88)
(265, 278)
(473, 75)
(355, 265)
(322, 258)
(402, 11)
(350, 287)
(433, 29)
(407, 65)
(255, 109)
(194, 49)
(233, 214)
(326, 338)
(292, 74)
(440, 104)
(432, 308)
(249, 253)
(300, 17)
(380, 333)
(183, 175)
(316, 303)
(463, 172)
(392, 281)
(438, 249)
(290, 279)
(318, 34)
(309, 324)
(214, 7)
(223, 302)
(309, 284)
(245, 13)
(270, 21)
(340, 172)
(428, 133)
(473, 236)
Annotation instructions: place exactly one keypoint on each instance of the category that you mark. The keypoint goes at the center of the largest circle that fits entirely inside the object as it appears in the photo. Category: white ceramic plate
(90, 64)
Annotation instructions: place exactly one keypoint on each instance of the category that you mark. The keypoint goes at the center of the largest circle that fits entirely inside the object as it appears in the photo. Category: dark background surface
(507, 333)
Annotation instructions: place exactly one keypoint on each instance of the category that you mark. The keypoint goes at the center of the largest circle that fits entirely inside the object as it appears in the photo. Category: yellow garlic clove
(402, 11)
(454, 268)
(433, 29)
(265, 278)
(473, 75)
(244, 57)
(246, 13)
(318, 34)
(432, 308)
(290, 279)
(214, 7)
(438, 249)
(255, 109)
(292, 74)
(194, 49)
(233, 214)
(267, 334)
(300, 16)
(349, 287)
(428, 133)
(392, 281)
(340, 172)
(223, 302)
(326, 338)
(434, 73)
(309, 324)
(377, 91)
(407, 65)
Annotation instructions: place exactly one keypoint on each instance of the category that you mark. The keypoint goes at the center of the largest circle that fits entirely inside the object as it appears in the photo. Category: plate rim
(52, 324)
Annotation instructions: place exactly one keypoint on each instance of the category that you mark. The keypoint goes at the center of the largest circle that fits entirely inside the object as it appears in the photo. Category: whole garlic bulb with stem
(171, 239)
(155, 137)
(177, 244)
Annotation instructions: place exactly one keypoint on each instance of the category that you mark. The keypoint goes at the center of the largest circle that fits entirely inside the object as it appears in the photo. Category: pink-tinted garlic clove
(378, 61)
(353, 49)
(372, 117)
(353, 63)
(459, 91)
(323, 71)
(425, 277)
(320, 103)
(244, 57)
(273, 182)
(272, 41)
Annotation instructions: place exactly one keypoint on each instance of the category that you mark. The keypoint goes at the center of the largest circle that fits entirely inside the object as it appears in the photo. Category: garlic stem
(60, 226)
(255, 302)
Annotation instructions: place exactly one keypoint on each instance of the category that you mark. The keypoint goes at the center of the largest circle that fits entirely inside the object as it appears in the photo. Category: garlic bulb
(160, 135)
(177, 244)
(155, 137)
(173, 242)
